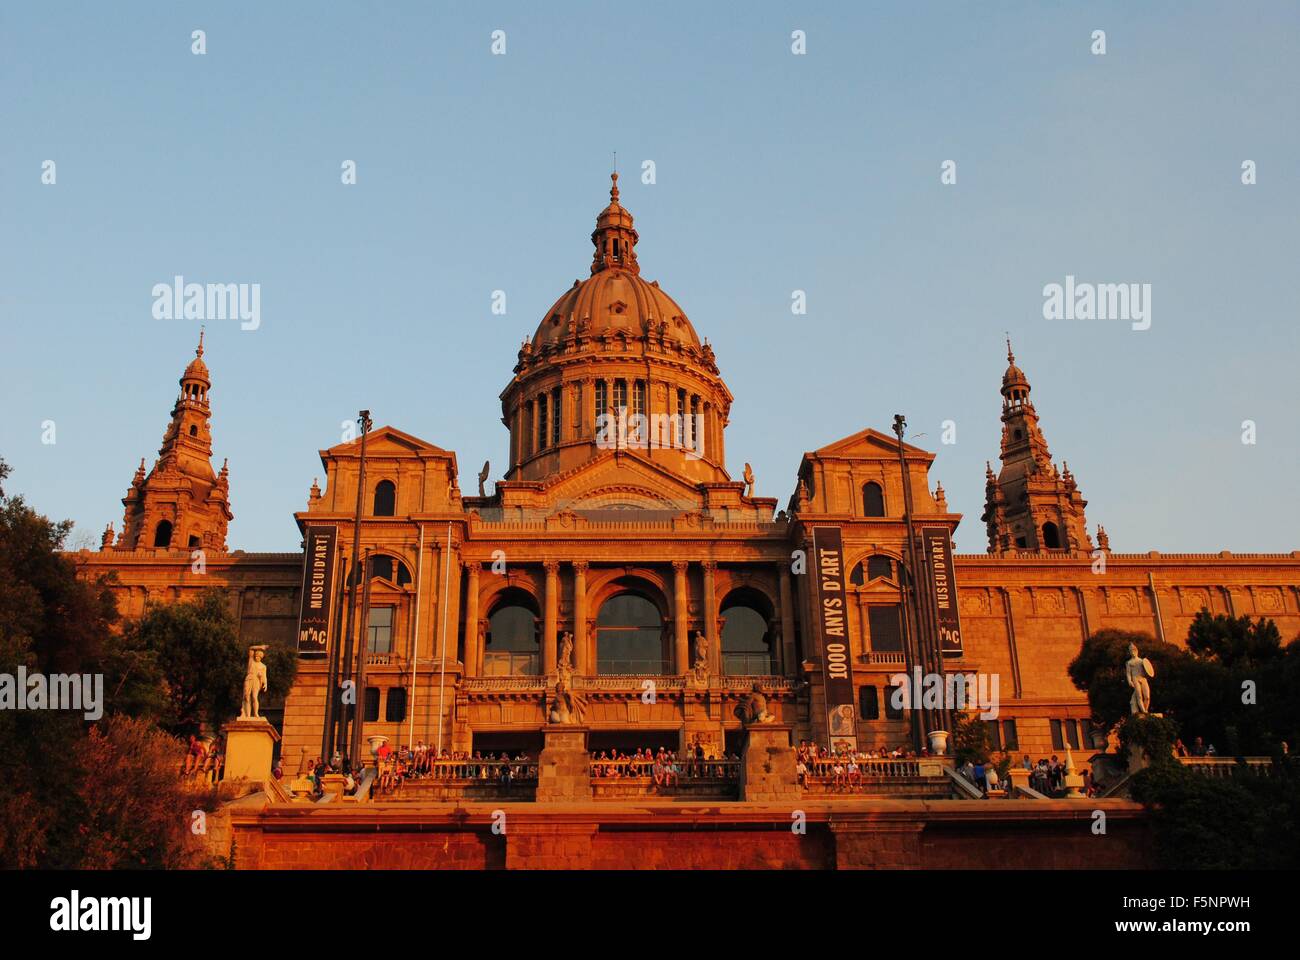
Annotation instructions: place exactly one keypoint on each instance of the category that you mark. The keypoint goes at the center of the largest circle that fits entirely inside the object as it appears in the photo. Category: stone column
(711, 617)
(681, 618)
(587, 422)
(548, 622)
(788, 665)
(473, 655)
(581, 653)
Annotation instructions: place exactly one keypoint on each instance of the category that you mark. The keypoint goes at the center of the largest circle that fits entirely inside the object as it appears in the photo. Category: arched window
(389, 568)
(513, 639)
(747, 634)
(162, 534)
(873, 500)
(195, 542)
(1051, 536)
(875, 567)
(630, 637)
(385, 499)
(194, 429)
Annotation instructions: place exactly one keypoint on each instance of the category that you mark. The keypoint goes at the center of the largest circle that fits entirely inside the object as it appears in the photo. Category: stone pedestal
(563, 766)
(249, 744)
(767, 764)
(1018, 777)
(334, 783)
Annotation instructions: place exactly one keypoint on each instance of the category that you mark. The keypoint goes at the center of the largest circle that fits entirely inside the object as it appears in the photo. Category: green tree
(50, 622)
(192, 651)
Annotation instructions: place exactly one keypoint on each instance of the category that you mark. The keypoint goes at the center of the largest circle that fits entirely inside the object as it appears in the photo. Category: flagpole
(442, 643)
(415, 640)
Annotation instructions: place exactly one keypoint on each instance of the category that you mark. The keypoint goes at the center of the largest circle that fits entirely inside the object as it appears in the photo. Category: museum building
(618, 549)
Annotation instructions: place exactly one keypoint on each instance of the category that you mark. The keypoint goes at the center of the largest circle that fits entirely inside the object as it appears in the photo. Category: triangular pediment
(386, 442)
(870, 444)
(622, 480)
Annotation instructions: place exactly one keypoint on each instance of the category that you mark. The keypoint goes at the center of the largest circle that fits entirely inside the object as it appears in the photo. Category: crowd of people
(842, 769)
(204, 760)
(663, 767)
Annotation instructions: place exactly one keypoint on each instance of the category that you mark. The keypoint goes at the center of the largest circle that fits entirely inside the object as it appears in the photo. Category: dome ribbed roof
(615, 298)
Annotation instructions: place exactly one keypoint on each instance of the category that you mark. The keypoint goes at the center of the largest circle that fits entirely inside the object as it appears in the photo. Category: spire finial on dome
(613, 189)
(1011, 357)
(199, 350)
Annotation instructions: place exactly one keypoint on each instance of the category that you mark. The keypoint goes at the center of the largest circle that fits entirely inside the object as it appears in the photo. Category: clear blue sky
(775, 172)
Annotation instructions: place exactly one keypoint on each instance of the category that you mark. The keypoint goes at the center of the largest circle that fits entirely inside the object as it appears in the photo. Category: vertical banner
(317, 590)
(837, 662)
(943, 586)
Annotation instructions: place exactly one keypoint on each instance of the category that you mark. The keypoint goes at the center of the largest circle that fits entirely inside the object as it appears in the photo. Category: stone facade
(475, 592)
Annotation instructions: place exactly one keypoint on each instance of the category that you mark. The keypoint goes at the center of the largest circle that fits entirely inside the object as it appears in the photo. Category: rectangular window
(680, 425)
(542, 422)
(372, 704)
(891, 712)
(640, 430)
(602, 399)
(557, 409)
(1010, 739)
(379, 631)
(886, 627)
(995, 734)
(620, 411)
(1058, 743)
(1072, 734)
(868, 703)
(395, 706)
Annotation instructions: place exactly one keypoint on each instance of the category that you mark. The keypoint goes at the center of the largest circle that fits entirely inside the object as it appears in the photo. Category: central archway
(631, 636)
(512, 641)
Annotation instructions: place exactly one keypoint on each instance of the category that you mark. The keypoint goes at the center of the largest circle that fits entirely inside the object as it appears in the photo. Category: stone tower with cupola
(182, 503)
(1030, 506)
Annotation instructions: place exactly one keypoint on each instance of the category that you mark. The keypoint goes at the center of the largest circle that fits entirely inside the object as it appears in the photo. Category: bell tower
(1030, 505)
(182, 504)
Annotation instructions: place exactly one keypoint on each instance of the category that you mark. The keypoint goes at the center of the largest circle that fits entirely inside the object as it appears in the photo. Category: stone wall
(951, 834)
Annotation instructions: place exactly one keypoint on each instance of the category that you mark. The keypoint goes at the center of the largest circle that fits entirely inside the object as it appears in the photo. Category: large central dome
(615, 344)
(614, 298)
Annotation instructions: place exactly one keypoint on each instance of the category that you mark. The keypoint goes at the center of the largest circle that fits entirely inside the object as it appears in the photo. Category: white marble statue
(1136, 670)
(254, 683)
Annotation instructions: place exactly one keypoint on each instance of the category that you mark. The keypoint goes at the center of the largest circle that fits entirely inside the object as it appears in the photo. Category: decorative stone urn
(938, 742)
(376, 741)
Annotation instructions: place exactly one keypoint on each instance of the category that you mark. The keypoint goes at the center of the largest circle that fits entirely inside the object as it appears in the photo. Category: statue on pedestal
(753, 709)
(254, 683)
(566, 706)
(1136, 671)
(700, 668)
